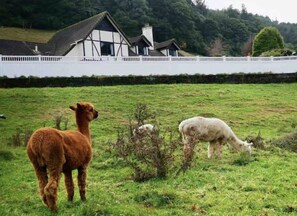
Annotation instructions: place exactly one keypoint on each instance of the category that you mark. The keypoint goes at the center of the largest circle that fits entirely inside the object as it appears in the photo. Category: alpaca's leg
(51, 189)
(211, 149)
(220, 150)
(81, 180)
(42, 180)
(69, 185)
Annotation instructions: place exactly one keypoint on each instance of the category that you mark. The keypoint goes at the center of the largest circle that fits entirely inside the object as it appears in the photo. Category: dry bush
(20, 137)
(149, 154)
(258, 141)
(59, 119)
(288, 142)
(143, 113)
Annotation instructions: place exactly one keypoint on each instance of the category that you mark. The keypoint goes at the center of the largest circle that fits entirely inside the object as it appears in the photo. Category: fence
(67, 66)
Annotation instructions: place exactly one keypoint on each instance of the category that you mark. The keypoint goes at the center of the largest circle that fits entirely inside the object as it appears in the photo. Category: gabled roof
(166, 44)
(62, 42)
(139, 38)
(155, 53)
(10, 47)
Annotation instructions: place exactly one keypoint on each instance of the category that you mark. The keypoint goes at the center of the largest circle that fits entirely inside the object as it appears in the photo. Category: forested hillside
(197, 29)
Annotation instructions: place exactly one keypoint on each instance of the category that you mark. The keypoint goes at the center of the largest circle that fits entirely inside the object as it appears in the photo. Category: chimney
(147, 31)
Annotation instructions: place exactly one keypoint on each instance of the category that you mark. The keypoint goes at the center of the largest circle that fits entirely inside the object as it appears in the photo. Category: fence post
(39, 58)
(197, 58)
(140, 58)
(271, 58)
(248, 58)
(170, 58)
(224, 58)
(1, 67)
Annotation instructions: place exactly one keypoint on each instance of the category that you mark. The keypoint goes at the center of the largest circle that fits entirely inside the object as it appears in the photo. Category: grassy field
(29, 35)
(265, 185)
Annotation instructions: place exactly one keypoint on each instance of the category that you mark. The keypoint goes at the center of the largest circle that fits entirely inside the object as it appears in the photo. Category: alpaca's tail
(34, 148)
(181, 133)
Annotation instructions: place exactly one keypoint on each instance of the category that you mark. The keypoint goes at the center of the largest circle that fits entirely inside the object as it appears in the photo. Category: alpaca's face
(248, 147)
(85, 109)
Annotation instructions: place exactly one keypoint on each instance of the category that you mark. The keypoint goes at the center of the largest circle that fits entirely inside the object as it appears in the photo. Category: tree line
(196, 28)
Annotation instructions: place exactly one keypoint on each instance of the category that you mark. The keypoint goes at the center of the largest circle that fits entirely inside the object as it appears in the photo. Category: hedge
(26, 82)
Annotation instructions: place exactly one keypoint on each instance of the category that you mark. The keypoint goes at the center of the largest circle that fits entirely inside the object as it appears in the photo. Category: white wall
(133, 66)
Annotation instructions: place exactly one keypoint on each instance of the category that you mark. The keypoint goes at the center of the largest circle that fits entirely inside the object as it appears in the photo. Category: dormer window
(142, 50)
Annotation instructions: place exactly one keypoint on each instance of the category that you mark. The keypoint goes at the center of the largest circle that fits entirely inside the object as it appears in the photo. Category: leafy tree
(267, 39)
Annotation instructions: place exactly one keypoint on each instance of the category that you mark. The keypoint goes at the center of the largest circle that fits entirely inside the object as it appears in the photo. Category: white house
(97, 36)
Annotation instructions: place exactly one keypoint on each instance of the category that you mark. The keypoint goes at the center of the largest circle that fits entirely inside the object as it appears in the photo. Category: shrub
(277, 52)
(150, 154)
(267, 39)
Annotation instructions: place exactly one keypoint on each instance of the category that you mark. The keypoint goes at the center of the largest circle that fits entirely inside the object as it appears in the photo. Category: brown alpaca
(55, 151)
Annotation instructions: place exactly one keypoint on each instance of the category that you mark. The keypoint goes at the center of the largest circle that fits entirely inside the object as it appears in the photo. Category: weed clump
(20, 137)
(59, 119)
(288, 142)
(155, 199)
(258, 141)
(7, 155)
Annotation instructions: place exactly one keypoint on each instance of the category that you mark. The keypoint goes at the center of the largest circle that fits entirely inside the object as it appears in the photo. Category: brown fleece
(52, 152)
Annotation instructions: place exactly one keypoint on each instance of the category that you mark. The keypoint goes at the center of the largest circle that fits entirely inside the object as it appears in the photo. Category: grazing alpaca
(212, 130)
(144, 130)
(54, 151)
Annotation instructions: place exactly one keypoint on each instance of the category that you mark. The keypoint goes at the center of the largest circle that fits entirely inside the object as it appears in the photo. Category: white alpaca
(212, 130)
(144, 129)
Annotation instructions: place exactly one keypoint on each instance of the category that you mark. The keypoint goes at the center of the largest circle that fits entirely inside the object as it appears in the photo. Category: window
(107, 49)
(172, 52)
(142, 51)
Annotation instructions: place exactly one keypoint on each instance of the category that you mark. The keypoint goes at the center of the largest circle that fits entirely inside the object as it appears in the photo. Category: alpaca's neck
(235, 141)
(83, 127)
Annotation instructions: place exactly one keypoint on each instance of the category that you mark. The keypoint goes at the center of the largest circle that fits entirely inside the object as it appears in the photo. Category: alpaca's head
(85, 111)
(248, 147)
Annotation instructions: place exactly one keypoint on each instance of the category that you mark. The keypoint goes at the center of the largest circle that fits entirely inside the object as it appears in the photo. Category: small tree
(267, 39)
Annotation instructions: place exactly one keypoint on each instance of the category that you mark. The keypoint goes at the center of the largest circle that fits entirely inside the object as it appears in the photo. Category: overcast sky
(280, 10)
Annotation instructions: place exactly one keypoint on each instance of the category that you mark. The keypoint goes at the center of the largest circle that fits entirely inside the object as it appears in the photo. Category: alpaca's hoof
(54, 209)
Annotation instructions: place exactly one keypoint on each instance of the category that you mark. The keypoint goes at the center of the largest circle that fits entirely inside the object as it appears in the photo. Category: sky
(280, 10)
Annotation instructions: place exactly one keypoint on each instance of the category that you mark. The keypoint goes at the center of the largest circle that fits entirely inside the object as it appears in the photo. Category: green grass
(29, 35)
(264, 184)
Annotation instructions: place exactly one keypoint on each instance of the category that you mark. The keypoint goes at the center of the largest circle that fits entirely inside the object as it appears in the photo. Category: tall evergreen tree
(267, 39)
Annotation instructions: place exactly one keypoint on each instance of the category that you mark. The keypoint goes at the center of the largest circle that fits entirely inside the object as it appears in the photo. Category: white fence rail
(51, 66)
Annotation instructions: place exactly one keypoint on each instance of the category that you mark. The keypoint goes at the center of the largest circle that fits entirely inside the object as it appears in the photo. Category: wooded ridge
(196, 28)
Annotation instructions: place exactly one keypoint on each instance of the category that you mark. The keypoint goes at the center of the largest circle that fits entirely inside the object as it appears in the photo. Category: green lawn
(266, 185)
(29, 35)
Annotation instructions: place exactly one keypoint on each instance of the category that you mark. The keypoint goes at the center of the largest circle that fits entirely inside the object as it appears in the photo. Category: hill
(30, 35)
(197, 29)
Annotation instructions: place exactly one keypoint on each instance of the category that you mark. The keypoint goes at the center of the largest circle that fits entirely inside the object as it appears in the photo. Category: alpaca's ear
(79, 106)
(73, 108)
